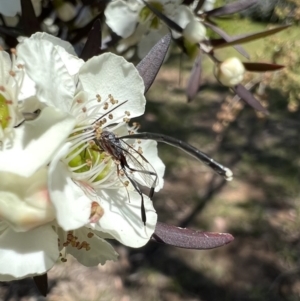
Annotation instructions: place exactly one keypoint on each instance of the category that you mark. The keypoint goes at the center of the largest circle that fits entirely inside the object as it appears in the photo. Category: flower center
(4, 112)
(11, 81)
(87, 158)
(92, 166)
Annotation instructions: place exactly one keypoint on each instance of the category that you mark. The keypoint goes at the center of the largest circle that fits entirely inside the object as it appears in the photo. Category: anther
(110, 116)
(90, 234)
(105, 106)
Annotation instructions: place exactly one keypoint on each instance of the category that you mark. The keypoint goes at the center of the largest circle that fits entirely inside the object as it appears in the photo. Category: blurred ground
(260, 207)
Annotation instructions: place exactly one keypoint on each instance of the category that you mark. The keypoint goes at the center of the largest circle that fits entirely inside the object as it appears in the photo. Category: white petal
(99, 250)
(66, 11)
(111, 74)
(55, 41)
(122, 218)
(150, 153)
(24, 201)
(182, 17)
(121, 18)
(5, 65)
(72, 206)
(10, 8)
(35, 142)
(45, 66)
(28, 89)
(24, 254)
(132, 40)
(37, 6)
(64, 49)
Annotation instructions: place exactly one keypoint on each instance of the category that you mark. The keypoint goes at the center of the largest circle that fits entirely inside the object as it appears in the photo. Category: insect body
(123, 154)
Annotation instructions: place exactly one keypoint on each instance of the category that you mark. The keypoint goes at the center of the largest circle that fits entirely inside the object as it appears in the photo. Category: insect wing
(140, 169)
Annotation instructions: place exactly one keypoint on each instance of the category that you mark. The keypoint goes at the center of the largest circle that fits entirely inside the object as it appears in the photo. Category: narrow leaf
(82, 32)
(262, 67)
(29, 20)
(171, 24)
(188, 2)
(227, 38)
(194, 80)
(149, 66)
(247, 96)
(41, 283)
(93, 44)
(231, 8)
(218, 43)
(10, 31)
(189, 239)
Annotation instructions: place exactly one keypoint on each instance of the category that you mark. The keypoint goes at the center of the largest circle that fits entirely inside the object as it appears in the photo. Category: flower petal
(35, 142)
(55, 41)
(150, 153)
(24, 201)
(10, 8)
(45, 66)
(97, 249)
(65, 50)
(73, 207)
(122, 217)
(121, 17)
(24, 254)
(182, 17)
(109, 74)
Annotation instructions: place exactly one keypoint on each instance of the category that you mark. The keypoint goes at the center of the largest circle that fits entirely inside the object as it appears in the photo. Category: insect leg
(138, 190)
(147, 172)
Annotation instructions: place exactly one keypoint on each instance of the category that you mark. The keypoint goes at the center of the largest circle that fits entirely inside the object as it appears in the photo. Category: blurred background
(260, 207)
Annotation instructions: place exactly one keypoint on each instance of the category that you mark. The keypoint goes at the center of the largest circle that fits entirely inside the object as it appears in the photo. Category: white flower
(66, 11)
(194, 32)
(136, 23)
(12, 7)
(28, 243)
(230, 72)
(109, 90)
(23, 144)
(206, 6)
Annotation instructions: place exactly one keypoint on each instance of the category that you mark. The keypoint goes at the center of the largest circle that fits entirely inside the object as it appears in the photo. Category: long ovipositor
(191, 150)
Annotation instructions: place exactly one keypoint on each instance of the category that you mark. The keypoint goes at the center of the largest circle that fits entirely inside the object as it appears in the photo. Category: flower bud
(194, 32)
(230, 72)
(66, 11)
